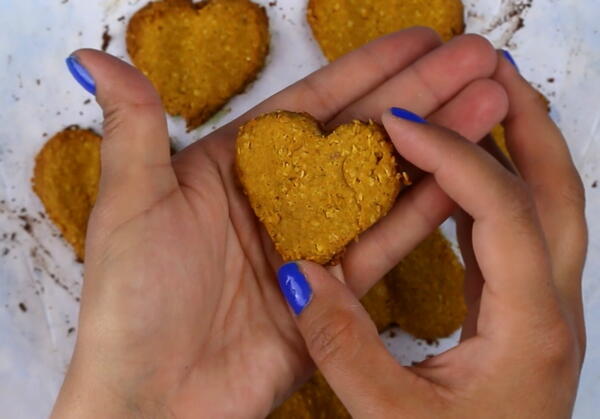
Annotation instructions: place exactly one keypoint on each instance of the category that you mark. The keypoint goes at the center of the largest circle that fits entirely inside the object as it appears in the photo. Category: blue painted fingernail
(80, 74)
(510, 59)
(294, 287)
(408, 115)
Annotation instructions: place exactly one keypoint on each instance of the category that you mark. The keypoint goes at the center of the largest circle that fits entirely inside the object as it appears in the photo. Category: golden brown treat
(379, 303)
(427, 290)
(340, 26)
(315, 193)
(314, 400)
(199, 55)
(66, 176)
(423, 294)
(500, 139)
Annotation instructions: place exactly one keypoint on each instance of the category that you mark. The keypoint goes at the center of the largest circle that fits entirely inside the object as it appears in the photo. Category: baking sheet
(557, 46)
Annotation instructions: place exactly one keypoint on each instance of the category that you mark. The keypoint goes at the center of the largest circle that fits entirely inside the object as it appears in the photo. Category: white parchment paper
(555, 42)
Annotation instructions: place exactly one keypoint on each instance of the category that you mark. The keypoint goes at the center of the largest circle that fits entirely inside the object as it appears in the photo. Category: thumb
(343, 341)
(135, 155)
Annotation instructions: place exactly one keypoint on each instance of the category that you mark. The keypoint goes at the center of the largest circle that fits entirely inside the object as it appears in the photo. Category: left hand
(181, 313)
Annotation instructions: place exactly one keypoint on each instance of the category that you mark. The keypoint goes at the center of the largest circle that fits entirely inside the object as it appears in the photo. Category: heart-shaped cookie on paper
(341, 26)
(315, 192)
(199, 55)
(65, 178)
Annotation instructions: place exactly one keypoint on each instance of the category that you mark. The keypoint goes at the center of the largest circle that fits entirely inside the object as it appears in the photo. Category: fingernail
(408, 115)
(294, 287)
(80, 74)
(510, 59)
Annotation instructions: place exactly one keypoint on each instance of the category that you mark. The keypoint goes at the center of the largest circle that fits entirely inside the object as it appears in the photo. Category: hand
(525, 244)
(181, 312)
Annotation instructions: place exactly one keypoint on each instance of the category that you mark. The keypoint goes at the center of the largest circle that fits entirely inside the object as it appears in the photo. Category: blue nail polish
(81, 74)
(408, 115)
(510, 59)
(294, 286)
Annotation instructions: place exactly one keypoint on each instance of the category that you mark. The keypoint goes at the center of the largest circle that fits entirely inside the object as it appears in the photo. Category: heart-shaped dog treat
(341, 26)
(314, 192)
(66, 176)
(199, 55)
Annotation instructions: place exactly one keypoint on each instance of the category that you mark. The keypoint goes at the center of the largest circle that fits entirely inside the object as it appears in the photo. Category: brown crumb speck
(26, 224)
(23, 307)
(106, 38)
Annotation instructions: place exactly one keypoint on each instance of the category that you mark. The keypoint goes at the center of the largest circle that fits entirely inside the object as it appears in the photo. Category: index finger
(507, 238)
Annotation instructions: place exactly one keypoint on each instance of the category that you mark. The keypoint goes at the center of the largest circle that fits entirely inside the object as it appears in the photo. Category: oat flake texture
(314, 192)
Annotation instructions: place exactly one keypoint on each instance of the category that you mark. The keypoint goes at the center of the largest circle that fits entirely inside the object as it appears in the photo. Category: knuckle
(521, 198)
(560, 346)
(128, 115)
(330, 336)
(572, 194)
(426, 32)
(113, 120)
(492, 97)
(479, 48)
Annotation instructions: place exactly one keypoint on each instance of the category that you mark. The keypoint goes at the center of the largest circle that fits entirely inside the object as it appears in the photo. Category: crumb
(106, 38)
(595, 184)
(70, 331)
(430, 341)
(27, 225)
(23, 307)
(550, 80)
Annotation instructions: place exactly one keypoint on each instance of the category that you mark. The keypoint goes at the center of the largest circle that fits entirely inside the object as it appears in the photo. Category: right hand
(524, 341)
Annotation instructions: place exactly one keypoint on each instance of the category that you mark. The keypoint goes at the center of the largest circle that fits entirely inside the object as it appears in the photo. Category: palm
(251, 329)
(205, 246)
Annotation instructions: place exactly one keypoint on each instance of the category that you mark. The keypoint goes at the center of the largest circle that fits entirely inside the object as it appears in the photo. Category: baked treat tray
(556, 45)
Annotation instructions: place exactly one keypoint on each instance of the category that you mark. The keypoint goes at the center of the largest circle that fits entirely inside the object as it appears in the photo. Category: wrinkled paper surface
(558, 49)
